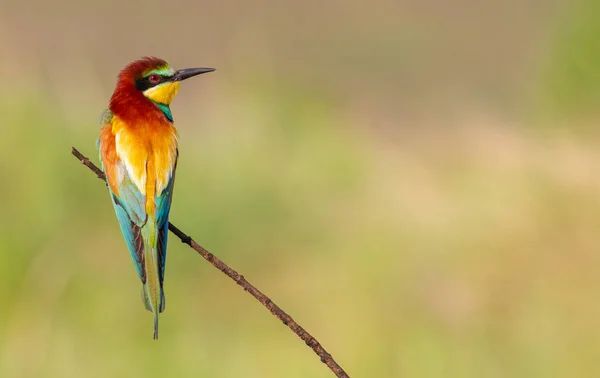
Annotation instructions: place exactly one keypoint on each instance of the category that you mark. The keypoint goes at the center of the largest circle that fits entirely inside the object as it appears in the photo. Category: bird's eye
(154, 78)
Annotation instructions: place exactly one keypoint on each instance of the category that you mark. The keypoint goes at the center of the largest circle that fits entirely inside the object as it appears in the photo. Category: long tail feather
(153, 293)
(156, 326)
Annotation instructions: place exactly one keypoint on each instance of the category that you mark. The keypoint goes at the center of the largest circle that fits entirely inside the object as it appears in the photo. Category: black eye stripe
(144, 83)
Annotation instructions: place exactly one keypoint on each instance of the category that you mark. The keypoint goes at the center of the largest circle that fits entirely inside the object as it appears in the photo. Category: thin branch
(325, 357)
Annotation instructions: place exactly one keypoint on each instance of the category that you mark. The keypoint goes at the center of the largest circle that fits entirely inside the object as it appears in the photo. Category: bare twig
(325, 357)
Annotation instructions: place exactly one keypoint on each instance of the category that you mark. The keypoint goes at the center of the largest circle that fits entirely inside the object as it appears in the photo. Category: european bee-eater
(138, 150)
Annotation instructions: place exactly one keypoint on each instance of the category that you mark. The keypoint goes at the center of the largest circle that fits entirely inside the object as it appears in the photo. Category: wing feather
(163, 208)
(128, 201)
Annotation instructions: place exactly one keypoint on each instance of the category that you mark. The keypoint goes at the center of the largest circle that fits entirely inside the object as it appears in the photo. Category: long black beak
(189, 72)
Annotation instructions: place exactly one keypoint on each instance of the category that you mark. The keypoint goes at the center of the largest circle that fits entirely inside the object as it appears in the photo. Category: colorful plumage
(138, 150)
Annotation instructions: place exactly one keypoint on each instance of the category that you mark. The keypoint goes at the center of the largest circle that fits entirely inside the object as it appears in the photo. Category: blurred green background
(415, 181)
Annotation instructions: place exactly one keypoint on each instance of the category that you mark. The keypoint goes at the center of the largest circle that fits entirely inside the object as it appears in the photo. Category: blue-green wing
(163, 207)
(130, 207)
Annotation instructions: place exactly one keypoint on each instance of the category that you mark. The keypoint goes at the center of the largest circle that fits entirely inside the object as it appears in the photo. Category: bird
(138, 147)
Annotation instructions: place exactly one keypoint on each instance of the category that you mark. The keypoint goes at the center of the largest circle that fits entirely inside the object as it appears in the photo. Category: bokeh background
(417, 182)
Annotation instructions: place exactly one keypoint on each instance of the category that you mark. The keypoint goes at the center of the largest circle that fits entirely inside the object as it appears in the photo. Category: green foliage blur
(570, 76)
(378, 169)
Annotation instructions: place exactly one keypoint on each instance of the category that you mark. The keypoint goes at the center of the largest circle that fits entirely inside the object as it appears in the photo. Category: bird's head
(154, 79)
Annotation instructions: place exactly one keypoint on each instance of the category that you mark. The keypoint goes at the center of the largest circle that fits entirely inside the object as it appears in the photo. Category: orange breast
(147, 152)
